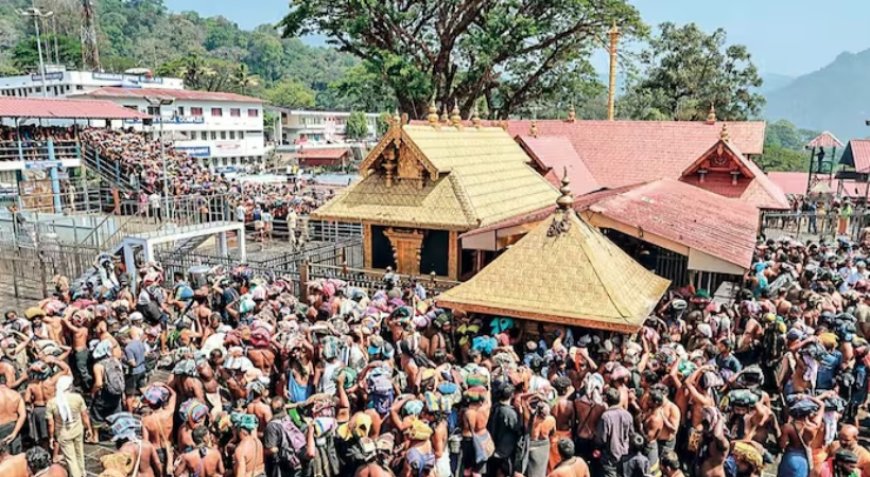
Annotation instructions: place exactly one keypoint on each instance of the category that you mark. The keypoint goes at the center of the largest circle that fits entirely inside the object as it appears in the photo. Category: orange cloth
(555, 458)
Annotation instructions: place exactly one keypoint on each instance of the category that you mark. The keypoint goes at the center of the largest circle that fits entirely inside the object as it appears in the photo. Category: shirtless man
(570, 465)
(262, 358)
(248, 456)
(543, 429)
(157, 424)
(202, 461)
(12, 416)
(587, 410)
(146, 454)
(259, 406)
(211, 388)
(699, 399)
(670, 465)
(371, 467)
(40, 465)
(564, 412)
(473, 422)
(76, 326)
(714, 447)
(40, 390)
(12, 465)
(668, 414)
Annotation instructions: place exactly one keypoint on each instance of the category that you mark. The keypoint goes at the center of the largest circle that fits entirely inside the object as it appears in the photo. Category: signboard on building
(125, 78)
(228, 146)
(57, 75)
(172, 120)
(195, 151)
(42, 165)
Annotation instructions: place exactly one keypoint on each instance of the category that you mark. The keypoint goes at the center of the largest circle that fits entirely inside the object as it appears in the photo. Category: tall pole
(35, 13)
(611, 95)
(54, 32)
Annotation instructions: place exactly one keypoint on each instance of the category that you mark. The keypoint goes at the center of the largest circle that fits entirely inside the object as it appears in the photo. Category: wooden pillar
(367, 245)
(453, 256)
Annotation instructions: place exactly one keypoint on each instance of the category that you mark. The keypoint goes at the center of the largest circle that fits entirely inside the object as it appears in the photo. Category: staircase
(108, 170)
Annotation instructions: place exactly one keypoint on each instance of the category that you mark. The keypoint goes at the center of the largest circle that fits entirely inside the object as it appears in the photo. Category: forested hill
(209, 53)
(834, 98)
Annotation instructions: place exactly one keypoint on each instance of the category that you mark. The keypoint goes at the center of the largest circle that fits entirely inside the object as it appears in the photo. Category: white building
(220, 128)
(300, 126)
(61, 83)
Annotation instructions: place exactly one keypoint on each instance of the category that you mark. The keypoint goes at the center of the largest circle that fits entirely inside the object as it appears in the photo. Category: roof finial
(444, 117)
(711, 116)
(432, 117)
(455, 118)
(533, 130)
(572, 114)
(566, 200)
(397, 120)
(475, 117)
(725, 135)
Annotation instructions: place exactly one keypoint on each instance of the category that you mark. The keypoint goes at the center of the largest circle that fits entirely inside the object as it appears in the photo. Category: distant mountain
(774, 81)
(835, 98)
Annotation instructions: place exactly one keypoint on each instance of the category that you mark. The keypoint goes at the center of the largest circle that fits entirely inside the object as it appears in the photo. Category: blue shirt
(828, 367)
(135, 352)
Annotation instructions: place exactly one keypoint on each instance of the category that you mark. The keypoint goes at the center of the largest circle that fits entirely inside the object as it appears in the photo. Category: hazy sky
(790, 37)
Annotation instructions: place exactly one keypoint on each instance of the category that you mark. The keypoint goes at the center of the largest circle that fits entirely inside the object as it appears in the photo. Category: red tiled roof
(554, 155)
(330, 153)
(620, 153)
(795, 183)
(825, 139)
(857, 155)
(702, 220)
(177, 94)
(65, 109)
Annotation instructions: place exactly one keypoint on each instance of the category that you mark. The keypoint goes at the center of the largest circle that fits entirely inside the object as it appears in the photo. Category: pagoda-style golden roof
(563, 271)
(446, 177)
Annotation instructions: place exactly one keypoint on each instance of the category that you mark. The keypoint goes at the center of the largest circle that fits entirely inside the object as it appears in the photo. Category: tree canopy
(685, 70)
(784, 147)
(512, 53)
(357, 127)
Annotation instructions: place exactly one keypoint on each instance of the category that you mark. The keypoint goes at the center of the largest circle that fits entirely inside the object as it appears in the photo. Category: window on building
(196, 111)
(213, 135)
(253, 113)
(79, 87)
(223, 134)
(203, 135)
(153, 110)
(241, 134)
(235, 112)
(217, 112)
(181, 110)
(232, 134)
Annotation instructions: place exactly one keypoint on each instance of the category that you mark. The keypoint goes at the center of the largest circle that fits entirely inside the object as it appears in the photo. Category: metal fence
(27, 272)
(813, 226)
(374, 280)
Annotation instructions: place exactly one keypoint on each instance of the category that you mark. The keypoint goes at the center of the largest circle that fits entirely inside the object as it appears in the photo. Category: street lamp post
(37, 14)
(159, 103)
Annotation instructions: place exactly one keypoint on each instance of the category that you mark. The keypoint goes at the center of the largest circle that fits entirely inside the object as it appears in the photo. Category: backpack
(293, 442)
(114, 376)
(382, 393)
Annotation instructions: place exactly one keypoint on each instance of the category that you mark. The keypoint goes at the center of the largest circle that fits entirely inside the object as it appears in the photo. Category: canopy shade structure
(65, 109)
(563, 271)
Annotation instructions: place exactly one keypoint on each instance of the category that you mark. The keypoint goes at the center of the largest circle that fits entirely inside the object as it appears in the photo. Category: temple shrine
(426, 184)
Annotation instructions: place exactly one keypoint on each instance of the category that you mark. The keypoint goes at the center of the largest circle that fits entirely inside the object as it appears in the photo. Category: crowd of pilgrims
(348, 382)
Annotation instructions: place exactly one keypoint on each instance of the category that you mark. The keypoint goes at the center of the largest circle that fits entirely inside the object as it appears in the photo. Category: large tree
(357, 127)
(684, 70)
(511, 52)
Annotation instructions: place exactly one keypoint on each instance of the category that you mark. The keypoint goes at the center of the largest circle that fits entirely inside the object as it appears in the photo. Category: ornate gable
(397, 158)
(720, 160)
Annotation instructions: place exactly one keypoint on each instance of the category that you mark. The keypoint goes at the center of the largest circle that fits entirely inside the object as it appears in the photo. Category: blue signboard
(42, 165)
(57, 75)
(172, 120)
(195, 151)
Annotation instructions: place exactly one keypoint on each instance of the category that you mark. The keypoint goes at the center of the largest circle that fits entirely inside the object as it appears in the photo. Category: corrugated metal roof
(555, 155)
(177, 94)
(825, 139)
(857, 155)
(65, 109)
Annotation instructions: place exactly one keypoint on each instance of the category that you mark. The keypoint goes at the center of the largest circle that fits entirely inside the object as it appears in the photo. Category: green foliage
(357, 127)
(778, 158)
(684, 70)
(515, 54)
(290, 94)
(25, 55)
(384, 123)
(208, 53)
(784, 147)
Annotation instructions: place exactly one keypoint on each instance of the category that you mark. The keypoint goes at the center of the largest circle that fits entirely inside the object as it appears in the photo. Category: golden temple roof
(473, 176)
(564, 271)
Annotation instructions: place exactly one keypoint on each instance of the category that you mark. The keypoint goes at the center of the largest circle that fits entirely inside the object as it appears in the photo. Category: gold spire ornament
(444, 117)
(725, 135)
(455, 118)
(572, 114)
(711, 115)
(566, 200)
(533, 130)
(397, 120)
(475, 117)
(432, 117)
(565, 203)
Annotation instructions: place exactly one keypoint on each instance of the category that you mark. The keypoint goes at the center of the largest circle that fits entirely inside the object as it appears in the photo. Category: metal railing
(33, 150)
(373, 280)
(812, 226)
